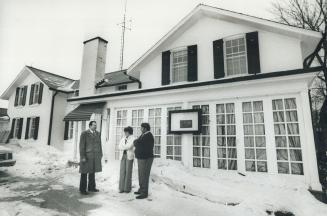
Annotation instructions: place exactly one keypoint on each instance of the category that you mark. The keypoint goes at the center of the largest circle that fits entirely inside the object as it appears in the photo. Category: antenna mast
(122, 39)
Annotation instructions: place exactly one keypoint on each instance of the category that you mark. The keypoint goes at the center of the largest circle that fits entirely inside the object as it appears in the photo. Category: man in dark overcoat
(90, 158)
(144, 154)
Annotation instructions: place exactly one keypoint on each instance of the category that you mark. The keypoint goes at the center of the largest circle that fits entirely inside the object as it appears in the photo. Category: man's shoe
(142, 196)
(127, 191)
(94, 190)
(137, 192)
(84, 193)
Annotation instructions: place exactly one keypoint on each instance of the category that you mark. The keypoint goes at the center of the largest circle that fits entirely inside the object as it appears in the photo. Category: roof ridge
(257, 17)
(30, 67)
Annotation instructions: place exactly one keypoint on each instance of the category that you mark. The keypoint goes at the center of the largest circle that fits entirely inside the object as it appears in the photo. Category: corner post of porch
(308, 145)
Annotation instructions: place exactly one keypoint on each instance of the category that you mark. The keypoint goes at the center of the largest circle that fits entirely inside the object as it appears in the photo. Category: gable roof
(52, 80)
(227, 15)
(64, 84)
(111, 79)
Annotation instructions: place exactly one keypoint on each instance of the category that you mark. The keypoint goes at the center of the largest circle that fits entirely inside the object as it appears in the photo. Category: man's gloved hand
(83, 160)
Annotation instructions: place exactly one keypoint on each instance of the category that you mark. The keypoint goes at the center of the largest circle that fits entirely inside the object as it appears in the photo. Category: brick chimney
(93, 65)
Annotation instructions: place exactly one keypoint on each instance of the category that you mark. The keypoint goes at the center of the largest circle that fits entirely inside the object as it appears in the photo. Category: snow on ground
(174, 190)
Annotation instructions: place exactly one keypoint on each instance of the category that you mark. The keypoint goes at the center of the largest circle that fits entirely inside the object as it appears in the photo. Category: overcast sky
(49, 34)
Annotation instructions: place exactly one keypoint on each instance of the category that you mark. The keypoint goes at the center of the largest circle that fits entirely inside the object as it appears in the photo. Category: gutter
(204, 83)
(51, 116)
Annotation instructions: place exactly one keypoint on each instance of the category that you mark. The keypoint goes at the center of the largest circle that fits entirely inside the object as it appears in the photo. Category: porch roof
(84, 112)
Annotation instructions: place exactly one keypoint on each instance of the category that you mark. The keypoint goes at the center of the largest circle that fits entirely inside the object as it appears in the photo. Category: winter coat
(91, 150)
(144, 146)
(128, 146)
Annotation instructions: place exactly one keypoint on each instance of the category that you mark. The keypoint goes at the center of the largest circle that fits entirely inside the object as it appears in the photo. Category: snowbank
(36, 161)
(174, 189)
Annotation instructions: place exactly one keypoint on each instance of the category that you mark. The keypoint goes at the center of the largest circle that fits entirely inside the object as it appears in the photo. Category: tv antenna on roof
(122, 38)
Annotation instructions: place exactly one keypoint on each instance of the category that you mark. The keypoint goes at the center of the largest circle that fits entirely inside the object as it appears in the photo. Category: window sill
(19, 106)
(34, 105)
(234, 76)
(180, 83)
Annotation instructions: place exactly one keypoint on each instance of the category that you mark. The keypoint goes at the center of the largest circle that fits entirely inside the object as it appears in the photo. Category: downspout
(51, 116)
(134, 79)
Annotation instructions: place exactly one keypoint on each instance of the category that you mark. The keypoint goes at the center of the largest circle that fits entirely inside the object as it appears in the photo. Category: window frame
(230, 38)
(225, 136)
(36, 93)
(254, 135)
(119, 129)
(201, 147)
(287, 135)
(173, 145)
(172, 51)
(16, 128)
(122, 87)
(70, 130)
(139, 119)
(20, 96)
(154, 127)
(32, 126)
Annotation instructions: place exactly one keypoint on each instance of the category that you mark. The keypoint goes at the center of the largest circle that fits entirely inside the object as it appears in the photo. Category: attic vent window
(236, 57)
(179, 65)
(121, 87)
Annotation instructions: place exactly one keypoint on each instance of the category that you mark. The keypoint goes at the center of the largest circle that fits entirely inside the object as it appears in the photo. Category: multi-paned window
(235, 55)
(179, 65)
(16, 127)
(287, 136)
(70, 130)
(226, 136)
(20, 95)
(201, 142)
(83, 125)
(121, 123)
(121, 87)
(174, 141)
(254, 136)
(35, 93)
(137, 119)
(32, 128)
(155, 124)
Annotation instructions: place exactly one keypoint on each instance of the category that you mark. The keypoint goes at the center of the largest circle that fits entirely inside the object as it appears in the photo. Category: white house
(245, 74)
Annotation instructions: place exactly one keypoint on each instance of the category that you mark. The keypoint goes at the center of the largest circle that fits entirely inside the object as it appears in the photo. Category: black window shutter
(11, 135)
(31, 94)
(66, 130)
(40, 93)
(19, 135)
(218, 58)
(17, 96)
(252, 46)
(24, 95)
(192, 63)
(165, 68)
(36, 130)
(27, 128)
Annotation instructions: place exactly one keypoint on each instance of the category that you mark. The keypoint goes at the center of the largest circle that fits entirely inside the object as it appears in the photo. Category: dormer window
(235, 55)
(179, 65)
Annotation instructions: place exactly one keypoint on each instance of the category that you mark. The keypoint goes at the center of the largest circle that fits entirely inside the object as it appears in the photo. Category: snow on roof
(52, 80)
(113, 78)
(4, 149)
